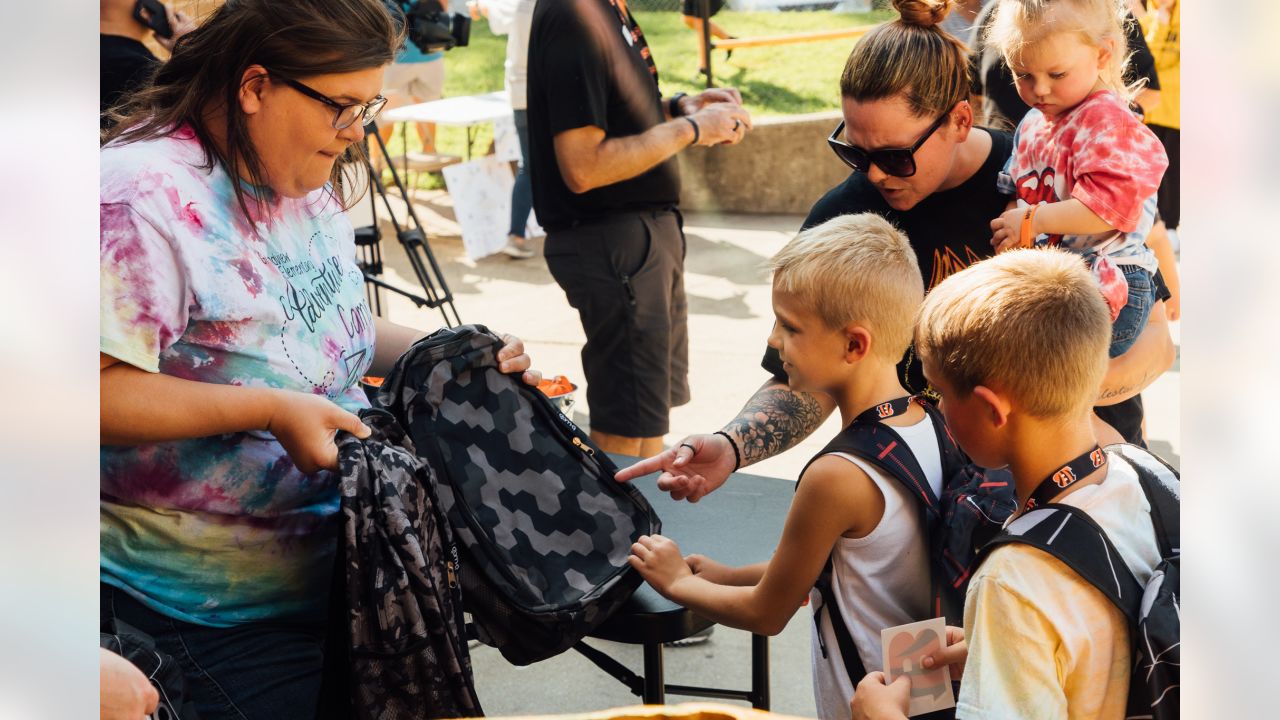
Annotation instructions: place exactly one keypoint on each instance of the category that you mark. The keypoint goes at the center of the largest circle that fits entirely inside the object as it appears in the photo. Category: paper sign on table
(481, 192)
(506, 143)
(904, 648)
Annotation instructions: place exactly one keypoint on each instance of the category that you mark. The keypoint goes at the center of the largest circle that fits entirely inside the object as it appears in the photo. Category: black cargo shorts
(624, 274)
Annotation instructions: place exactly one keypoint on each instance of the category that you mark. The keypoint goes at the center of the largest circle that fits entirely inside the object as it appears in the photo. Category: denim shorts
(1133, 316)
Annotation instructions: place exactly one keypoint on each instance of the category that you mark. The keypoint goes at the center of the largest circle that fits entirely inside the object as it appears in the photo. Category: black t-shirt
(126, 64)
(992, 80)
(949, 230)
(583, 72)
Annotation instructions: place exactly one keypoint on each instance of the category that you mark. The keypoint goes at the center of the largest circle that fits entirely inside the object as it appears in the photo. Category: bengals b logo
(884, 410)
(1064, 477)
(1098, 457)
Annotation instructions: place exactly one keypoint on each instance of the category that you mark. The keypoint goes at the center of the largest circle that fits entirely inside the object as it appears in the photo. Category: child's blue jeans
(1133, 316)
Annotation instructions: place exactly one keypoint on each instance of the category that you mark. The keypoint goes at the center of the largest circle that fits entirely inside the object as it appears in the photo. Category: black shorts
(690, 7)
(1170, 187)
(625, 277)
(1126, 417)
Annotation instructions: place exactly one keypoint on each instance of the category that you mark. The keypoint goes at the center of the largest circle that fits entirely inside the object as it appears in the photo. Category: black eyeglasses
(899, 162)
(346, 115)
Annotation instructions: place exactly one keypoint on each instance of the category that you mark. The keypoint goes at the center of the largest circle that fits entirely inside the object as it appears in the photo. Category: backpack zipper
(451, 567)
(583, 447)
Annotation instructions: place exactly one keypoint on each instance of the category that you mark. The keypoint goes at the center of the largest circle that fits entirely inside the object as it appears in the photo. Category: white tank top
(880, 580)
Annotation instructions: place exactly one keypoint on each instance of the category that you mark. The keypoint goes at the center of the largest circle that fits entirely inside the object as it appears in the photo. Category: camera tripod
(413, 239)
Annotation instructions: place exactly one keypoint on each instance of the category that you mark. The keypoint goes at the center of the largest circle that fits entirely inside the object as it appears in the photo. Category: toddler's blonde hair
(1018, 23)
(1032, 322)
(855, 269)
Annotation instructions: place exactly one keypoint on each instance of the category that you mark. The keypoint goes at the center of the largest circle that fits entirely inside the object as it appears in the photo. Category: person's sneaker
(515, 248)
(695, 639)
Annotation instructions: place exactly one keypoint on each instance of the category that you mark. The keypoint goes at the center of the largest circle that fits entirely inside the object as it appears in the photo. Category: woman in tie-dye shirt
(234, 332)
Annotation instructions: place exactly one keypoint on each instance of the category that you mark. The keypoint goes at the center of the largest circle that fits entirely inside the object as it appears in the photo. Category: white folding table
(465, 111)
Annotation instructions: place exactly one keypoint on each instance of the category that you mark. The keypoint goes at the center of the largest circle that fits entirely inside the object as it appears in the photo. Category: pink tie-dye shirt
(1101, 154)
(223, 530)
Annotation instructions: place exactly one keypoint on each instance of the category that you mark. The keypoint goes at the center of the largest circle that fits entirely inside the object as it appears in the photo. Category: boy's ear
(857, 342)
(996, 405)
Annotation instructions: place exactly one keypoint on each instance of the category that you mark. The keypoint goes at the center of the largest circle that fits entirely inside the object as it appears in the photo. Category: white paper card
(481, 192)
(904, 648)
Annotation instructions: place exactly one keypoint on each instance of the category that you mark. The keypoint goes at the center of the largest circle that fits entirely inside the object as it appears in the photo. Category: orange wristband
(1027, 238)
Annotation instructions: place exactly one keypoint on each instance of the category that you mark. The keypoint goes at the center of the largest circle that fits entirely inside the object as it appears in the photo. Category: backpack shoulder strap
(1162, 486)
(848, 650)
(949, 452)
(1070, 535)
(881, 446)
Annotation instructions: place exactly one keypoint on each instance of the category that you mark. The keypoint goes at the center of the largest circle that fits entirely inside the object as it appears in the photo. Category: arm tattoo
(1115, 392)
(775, 419)
(1129, 390)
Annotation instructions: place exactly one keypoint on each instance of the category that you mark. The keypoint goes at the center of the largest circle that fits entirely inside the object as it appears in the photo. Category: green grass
(774, 80)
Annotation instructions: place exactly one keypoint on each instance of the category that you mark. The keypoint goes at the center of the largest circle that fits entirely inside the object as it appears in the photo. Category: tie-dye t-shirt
(223, 530)
(1101, 154)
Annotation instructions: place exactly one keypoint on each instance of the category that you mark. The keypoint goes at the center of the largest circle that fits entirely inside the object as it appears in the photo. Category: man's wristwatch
(673, 105)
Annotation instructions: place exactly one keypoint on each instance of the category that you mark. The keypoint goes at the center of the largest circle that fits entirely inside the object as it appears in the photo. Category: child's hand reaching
(1006, 230)
(710, 570)
(659, 562)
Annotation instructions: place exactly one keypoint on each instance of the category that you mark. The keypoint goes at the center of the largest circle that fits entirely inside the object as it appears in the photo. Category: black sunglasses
(345, 115)
(899, 162)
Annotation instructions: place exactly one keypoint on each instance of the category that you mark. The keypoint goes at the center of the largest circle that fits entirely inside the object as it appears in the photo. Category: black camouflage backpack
(543, 528)
(1154, 609)
(973, 505)
(407, 650)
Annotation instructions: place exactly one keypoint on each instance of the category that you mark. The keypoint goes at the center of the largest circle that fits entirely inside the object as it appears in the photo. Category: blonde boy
(844, 295)
(1017, 346)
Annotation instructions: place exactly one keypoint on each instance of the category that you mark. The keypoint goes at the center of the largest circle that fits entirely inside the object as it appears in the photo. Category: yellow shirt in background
(1161, 29)
(1044, 643)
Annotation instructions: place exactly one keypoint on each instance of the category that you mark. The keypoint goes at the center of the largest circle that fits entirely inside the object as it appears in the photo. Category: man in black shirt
(125, 62)
(949, 229)
(602, 146)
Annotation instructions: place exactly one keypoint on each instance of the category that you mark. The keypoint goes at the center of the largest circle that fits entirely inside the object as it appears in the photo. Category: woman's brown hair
(912, 57)
(296, 38)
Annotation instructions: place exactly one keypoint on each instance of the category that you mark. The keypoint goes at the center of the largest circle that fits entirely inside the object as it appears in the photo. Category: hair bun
(923, 13)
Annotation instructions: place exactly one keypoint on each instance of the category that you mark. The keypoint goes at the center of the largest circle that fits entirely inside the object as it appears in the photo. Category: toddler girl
(1084, 170)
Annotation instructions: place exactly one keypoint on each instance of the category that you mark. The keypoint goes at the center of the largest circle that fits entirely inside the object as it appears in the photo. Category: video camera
(429, 26)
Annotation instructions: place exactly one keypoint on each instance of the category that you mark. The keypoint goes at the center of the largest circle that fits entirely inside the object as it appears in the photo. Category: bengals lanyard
(884, 410)
(1065, 477)
(630, 26)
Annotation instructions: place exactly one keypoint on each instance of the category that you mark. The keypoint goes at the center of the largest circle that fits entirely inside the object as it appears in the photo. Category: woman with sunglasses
(234, 332)
(918, 161)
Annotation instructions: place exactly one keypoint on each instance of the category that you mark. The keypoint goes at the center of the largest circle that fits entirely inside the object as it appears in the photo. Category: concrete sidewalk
(729, 320)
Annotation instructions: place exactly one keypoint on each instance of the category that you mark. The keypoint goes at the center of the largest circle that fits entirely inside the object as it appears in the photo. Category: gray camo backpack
(543, 528)
(406, 650)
